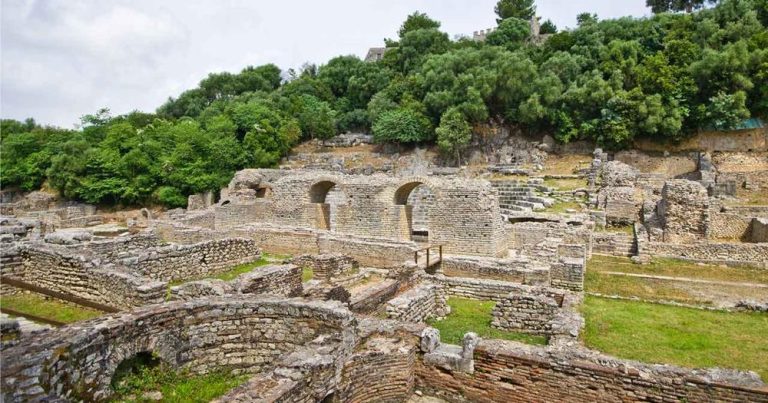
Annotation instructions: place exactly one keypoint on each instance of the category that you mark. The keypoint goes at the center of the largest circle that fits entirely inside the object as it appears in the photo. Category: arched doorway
(415, 199)
(326, 197)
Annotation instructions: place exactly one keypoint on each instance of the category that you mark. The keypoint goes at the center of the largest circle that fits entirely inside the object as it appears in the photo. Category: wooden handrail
(440, 254)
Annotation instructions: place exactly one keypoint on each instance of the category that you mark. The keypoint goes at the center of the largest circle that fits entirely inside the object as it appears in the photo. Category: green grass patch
(275, 256)
(229, 274)
(561, 207)
(678, 268)
(306, 274)
(687, 337)
(645, 288)
(565, 184)
(469, 315)
(48, 308)
(146, 373)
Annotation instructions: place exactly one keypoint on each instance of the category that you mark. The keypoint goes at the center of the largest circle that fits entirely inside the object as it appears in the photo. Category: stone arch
(327, 196)
(319, 191)
(414, 200)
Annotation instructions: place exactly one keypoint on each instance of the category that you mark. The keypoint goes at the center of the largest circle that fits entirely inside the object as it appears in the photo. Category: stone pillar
(684, 210)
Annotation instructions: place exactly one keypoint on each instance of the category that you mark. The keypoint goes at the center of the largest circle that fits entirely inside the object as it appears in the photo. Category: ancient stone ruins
(386, 249)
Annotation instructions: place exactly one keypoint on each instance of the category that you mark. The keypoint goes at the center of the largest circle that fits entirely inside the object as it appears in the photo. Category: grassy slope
(681, 336)
(469, 315)
(176, 386)
(38, 305)
(678, 268)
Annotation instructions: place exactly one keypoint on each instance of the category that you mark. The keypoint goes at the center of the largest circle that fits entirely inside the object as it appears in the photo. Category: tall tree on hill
(663, 6)
(417, 21)
(523, 9)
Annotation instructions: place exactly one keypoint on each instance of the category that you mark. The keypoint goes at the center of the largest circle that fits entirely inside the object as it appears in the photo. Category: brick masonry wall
(729, 226)
(528, 313)
(327, 266)
(381, 372)
(79, 361)
(513, 372)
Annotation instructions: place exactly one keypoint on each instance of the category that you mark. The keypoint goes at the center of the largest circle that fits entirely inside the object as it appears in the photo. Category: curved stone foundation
(245, 335)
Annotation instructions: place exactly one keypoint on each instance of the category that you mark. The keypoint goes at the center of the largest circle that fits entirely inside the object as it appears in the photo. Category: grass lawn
(645, 288)
(38, 305)
(565, 184)
(678, 268)
(674, 335)
(468, 315)
(561, 206)
(626, 229)
(149, 375)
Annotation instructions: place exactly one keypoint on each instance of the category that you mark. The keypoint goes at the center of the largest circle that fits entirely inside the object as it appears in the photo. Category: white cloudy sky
(62, 59)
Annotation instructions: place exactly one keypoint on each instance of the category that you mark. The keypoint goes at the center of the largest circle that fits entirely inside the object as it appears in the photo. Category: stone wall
(278, 280)
(729, 226)
(418, 304)
(328, 266)
(514, 270)
(177, 262)
(58, 269)
(754, 254)
(613, 243)
(759, 230)
(512, 372)
(78, 361)
(464, 216)
(684, 209)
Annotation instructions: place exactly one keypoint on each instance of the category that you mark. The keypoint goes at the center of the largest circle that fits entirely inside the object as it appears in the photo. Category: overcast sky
(62, 59)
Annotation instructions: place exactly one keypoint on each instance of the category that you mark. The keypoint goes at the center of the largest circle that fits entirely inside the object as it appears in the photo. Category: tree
(453, 134)
(512, 32)
(415, 22)
(584, 19)
(523, 9)
(316, 118)
(401, 126)
(548, 27)
(663, 6)
(415, 47)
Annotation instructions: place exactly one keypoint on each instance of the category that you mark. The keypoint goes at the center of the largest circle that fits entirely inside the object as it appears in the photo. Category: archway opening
(327, 197)
(133, 367)
(416, 200)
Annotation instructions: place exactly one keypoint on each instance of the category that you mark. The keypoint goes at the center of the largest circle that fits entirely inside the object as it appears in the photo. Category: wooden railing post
(416, 257)
(427, 257)
(440, 248)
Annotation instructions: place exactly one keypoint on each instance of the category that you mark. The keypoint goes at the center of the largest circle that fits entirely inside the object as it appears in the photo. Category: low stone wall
(113, 249)
(327, 266)
(77, 362)
(57, 269)
(516, 271)
(568, 274)
(484, 290)
(754, 254)
(372, 297)
(176, 262)
(275, 280)
(418, 304)
(527, 313)
(507, 371)
(278, 280)
(369, 252)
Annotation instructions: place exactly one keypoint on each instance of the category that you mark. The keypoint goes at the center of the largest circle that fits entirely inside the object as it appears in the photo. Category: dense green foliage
(607, 81)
